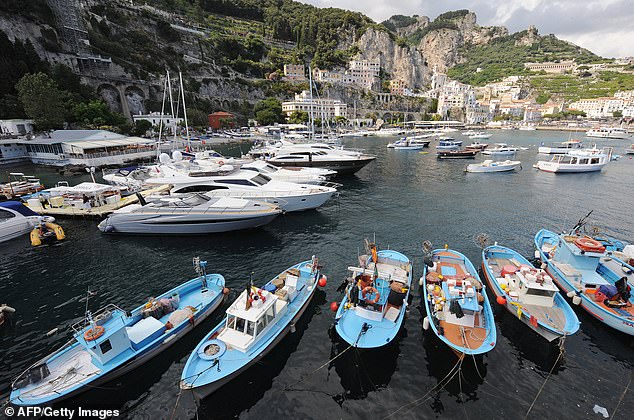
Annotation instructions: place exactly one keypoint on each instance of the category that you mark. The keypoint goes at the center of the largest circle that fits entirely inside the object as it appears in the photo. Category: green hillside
(502, 57)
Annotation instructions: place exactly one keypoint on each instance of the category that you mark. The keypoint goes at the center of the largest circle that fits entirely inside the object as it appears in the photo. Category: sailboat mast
(312, 116)
(180, 75)
(169, 87)
(158, 144)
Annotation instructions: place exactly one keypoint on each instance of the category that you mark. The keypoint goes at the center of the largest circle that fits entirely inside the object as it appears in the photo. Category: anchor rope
(305, 376)
(561, 353)
(622, 395)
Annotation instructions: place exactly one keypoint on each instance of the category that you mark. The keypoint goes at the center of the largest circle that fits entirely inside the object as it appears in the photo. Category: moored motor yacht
(448, 143)
(252, 185)
(16, 219)
(588, 160)
(298, 175)
(501, 149)
(563, 147)
(189, 214)
(607, 133)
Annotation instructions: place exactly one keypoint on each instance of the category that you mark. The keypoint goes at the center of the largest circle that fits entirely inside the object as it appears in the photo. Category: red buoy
(225, 291)
(501, 300)
(322, 281)
(334, 306)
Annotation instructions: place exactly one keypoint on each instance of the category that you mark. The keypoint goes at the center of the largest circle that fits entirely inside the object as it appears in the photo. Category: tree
(617, 114)
(269, 111)
(95, 114)
(298, 117)
(42, 100)
(141, 127)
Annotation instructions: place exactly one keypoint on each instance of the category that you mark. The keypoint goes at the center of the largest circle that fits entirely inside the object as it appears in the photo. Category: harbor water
(402, 199)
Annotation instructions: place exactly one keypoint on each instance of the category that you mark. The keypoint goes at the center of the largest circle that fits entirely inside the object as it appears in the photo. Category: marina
(379, 199)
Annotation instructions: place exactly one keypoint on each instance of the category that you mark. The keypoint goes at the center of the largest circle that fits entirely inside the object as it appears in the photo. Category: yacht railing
(102, 314)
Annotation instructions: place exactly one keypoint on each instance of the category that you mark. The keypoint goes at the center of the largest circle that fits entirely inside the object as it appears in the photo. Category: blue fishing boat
(587, 270)
(255, 323)
(112, 342)
(376, 298)
(528, 292)
(458, 309)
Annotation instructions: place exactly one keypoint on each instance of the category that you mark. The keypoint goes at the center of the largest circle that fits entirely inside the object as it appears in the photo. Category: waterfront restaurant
(88, 147)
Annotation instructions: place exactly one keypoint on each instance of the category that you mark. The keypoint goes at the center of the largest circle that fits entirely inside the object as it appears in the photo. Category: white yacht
(558, 148)
(16, 219)
(251, 185)
(189, 214)
(298, 174)
(501, 149)
(588, 160)
(411, 142)
(313, 155)
(607, 133)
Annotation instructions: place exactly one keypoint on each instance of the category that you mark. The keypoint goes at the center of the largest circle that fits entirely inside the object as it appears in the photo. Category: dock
(101, 211)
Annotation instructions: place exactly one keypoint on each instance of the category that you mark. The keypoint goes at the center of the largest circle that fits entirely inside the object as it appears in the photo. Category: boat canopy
(19, 207)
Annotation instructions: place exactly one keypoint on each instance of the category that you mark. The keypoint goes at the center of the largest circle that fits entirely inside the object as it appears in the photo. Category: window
(538, 292)
(105, 347)
(236, 182)
(260, 179)
(231, 322)
(270, 315)
(5, 215)
(199, 188)
(250, 328)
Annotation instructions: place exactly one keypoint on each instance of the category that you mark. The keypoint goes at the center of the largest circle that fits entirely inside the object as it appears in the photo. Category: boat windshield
(261, 179)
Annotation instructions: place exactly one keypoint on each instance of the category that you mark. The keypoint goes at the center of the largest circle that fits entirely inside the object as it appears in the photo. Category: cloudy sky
(603, 26)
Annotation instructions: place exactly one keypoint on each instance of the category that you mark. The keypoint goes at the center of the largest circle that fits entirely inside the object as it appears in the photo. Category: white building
(551, 67)
(294, 72)
(16, 127)
(84, 147)
(477, 114)
(362, 73)
(602, 107)
(321, 108)
(155, 118)
(454, 94)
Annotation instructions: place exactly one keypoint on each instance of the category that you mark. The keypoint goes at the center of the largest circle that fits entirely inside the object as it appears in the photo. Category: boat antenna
(201, 269)
(581, 222)
(312, 115)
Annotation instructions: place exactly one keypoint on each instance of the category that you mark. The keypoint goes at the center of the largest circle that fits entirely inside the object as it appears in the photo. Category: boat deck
(101, 211)
(467, 337)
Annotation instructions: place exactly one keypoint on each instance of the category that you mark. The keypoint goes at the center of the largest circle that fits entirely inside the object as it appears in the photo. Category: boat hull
(489, 169)
(178, 224)
(566, 168)
(342, 167)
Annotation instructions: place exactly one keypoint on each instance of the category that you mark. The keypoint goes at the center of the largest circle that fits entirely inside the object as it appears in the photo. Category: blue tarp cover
(19, 207)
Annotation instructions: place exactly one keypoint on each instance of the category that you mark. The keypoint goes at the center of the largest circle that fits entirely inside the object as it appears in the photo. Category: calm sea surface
(403, 198)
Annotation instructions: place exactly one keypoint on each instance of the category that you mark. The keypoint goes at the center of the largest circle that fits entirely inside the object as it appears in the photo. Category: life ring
(369, 289)
(221, 162)
(93, 334)
(589, 245)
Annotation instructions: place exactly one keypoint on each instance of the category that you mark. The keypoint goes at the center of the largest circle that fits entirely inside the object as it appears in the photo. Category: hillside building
(454, 94)
(321, 108)
(16, 127)
(294, 72)
(398, 87)
(361, 73)
(155, 118)
(552, 67)
(221, 119)
(605, 106)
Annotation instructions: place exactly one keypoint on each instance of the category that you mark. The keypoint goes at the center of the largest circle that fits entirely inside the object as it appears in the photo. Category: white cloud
(593, 24)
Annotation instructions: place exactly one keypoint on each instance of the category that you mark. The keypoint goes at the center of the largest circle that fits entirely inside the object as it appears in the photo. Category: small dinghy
(457, 154)
(494, 166)
(458, 309)
(255, 323)
(528, 292)
(376, 298)
(112, 342)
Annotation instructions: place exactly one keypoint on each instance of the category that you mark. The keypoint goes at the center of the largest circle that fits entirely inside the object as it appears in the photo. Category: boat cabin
(244, 326)
(528, 285)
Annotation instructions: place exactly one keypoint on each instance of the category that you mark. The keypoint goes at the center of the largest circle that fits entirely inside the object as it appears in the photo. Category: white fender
(576, 300)
(425, 323)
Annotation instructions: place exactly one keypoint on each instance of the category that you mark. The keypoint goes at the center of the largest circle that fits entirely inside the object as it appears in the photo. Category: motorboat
(254, 324)
(528, 127)
(528, 293)
(501, 149)
(19, 185)
(630, 150)
(587, 271)
(16, 220)
(111, 341)
(410, 143)
(457, 154)
(587, 160)
(607, 133)
(494, 166)
(375, 302)
(560, 148)
(86, 195)
(448, 143)
(313, 155)
(298, 175)
(480, 136)
(193, 213)
(458, 309)
(252, 185)
(476, 145)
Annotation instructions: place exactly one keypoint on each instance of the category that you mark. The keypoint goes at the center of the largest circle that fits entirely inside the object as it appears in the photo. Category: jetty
(101, 211)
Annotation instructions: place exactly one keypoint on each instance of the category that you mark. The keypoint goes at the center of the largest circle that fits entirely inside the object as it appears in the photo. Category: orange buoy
(334, 306)
(322, 281)
(501, 300)
(225, 291)
(94, 333)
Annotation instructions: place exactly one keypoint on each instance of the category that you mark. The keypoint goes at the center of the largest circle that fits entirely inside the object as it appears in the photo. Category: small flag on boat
(519, 312)
(533, 321)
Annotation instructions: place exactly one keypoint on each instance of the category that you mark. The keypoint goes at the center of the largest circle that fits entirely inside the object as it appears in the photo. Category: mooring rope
(561, 353)
(305, 376)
